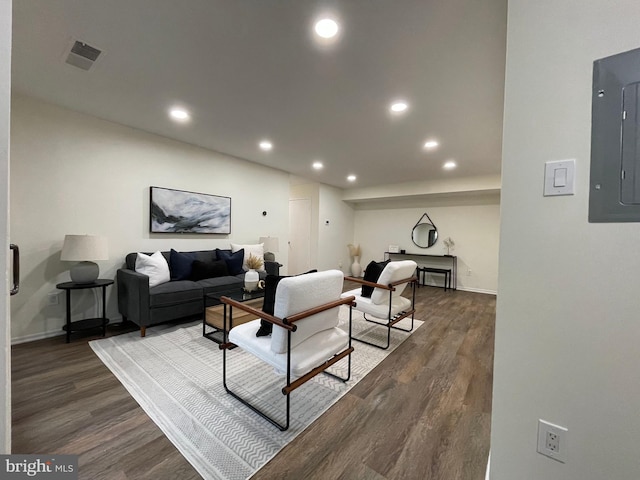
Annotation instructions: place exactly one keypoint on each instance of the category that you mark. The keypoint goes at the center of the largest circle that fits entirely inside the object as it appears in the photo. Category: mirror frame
(419, 223)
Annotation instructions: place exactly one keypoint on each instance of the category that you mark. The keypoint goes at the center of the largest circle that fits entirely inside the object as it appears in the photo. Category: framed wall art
(178, 211)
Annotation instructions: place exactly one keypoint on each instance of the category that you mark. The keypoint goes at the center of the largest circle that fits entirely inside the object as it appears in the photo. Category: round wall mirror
(424, 233)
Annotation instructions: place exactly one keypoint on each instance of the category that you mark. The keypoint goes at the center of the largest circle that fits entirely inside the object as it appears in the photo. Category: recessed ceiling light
(449, 165)
(399, 107)
(266, 145)
(326, 28)
(317, 165)
(431, 144)
(179, 114)
(351, 178)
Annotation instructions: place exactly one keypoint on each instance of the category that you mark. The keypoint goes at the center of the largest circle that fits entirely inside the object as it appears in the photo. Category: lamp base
(84, 272)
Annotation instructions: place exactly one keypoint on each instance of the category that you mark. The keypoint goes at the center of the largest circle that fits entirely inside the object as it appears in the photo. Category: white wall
(473, 228)
(333, 238)
(72, 173)
(568, 319)
(5, 332)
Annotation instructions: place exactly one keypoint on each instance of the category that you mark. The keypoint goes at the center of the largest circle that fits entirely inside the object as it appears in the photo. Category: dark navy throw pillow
(202, 270)
(233, 260)
(180, 265)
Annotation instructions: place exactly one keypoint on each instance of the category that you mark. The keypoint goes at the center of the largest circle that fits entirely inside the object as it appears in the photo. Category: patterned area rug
(175, 374)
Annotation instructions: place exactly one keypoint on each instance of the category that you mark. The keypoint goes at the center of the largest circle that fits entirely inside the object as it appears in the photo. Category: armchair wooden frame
(288, 324)
(391, 319)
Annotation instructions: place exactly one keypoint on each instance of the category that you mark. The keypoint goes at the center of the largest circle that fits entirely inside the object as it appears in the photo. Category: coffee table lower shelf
(213, 322)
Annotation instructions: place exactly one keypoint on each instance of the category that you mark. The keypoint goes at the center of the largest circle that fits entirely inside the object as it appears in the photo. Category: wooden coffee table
(213, 321)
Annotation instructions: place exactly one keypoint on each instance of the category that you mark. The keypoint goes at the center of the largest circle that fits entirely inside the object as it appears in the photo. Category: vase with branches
(449, 243)
(354, 251)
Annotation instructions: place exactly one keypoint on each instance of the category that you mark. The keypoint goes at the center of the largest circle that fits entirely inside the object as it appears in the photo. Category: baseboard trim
(53, 333)
(36, 336)
(487, 476)
(478, 290)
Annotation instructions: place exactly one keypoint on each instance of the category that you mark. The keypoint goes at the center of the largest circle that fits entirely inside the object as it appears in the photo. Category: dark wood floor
(423, 413)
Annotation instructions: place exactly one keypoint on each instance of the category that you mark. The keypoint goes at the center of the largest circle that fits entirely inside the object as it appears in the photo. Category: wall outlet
(552, 441)
(468, 272)
(53, 298)
(340, 265)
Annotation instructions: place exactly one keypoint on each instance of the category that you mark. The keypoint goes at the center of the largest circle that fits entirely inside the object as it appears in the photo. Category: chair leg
(281, 427)
(389, 326)
(392, 320)
(274, 422)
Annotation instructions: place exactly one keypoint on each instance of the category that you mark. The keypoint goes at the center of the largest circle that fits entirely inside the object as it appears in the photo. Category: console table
(424, 260)
(87, 323)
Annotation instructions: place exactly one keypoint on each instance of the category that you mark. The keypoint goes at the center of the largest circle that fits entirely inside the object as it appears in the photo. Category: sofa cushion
(229, 280)
(234, 260)
(154, 266)
(202, 270)
(310, 353)
(381, 311)
(180, 264)
(172, 293)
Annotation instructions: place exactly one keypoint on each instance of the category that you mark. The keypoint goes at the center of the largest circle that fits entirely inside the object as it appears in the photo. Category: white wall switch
(552, 441)
(559, 176)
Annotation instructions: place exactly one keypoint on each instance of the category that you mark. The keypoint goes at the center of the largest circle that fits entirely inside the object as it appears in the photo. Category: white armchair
(386, 304)
(306, 339)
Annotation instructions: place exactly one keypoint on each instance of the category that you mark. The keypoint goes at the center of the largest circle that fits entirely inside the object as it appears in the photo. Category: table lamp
(84, 249)
(271, 246)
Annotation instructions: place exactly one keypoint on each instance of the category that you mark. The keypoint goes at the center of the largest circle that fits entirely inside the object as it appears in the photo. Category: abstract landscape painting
(177, 211)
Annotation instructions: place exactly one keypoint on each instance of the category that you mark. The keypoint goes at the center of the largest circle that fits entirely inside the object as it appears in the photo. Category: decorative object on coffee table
(252, 277)
(356, 268)
(85, 249)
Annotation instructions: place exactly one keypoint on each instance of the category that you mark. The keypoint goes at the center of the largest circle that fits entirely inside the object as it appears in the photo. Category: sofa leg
(143, 331)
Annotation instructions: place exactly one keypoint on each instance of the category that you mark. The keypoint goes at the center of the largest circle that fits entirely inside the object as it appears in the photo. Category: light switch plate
(561, 173)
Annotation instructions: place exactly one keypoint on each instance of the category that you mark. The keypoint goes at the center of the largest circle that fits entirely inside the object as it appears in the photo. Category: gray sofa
(174, 300)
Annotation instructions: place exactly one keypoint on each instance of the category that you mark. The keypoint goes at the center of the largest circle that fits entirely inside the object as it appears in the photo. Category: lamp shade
(80, 248)
(271, 244)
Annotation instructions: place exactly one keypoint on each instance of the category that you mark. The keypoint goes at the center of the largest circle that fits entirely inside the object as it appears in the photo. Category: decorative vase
(251, 280)
(356, 269)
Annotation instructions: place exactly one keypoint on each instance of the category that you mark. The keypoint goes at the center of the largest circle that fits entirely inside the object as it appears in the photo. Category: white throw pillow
(256, 250)
(154, 266)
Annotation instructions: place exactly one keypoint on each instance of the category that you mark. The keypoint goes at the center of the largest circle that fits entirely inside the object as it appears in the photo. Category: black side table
(87, 323)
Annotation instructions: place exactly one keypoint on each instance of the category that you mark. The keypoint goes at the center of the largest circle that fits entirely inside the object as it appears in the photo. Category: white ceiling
(252, 69)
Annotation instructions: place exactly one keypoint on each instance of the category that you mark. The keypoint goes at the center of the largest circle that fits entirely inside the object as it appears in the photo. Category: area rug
(175, 374)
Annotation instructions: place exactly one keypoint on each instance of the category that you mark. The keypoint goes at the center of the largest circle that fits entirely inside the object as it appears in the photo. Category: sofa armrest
(272, 268)
(133, 296)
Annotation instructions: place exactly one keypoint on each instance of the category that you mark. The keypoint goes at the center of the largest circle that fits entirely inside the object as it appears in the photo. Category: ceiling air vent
(82, 55)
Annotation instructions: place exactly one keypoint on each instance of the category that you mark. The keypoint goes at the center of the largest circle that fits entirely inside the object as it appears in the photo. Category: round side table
(87, 323)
